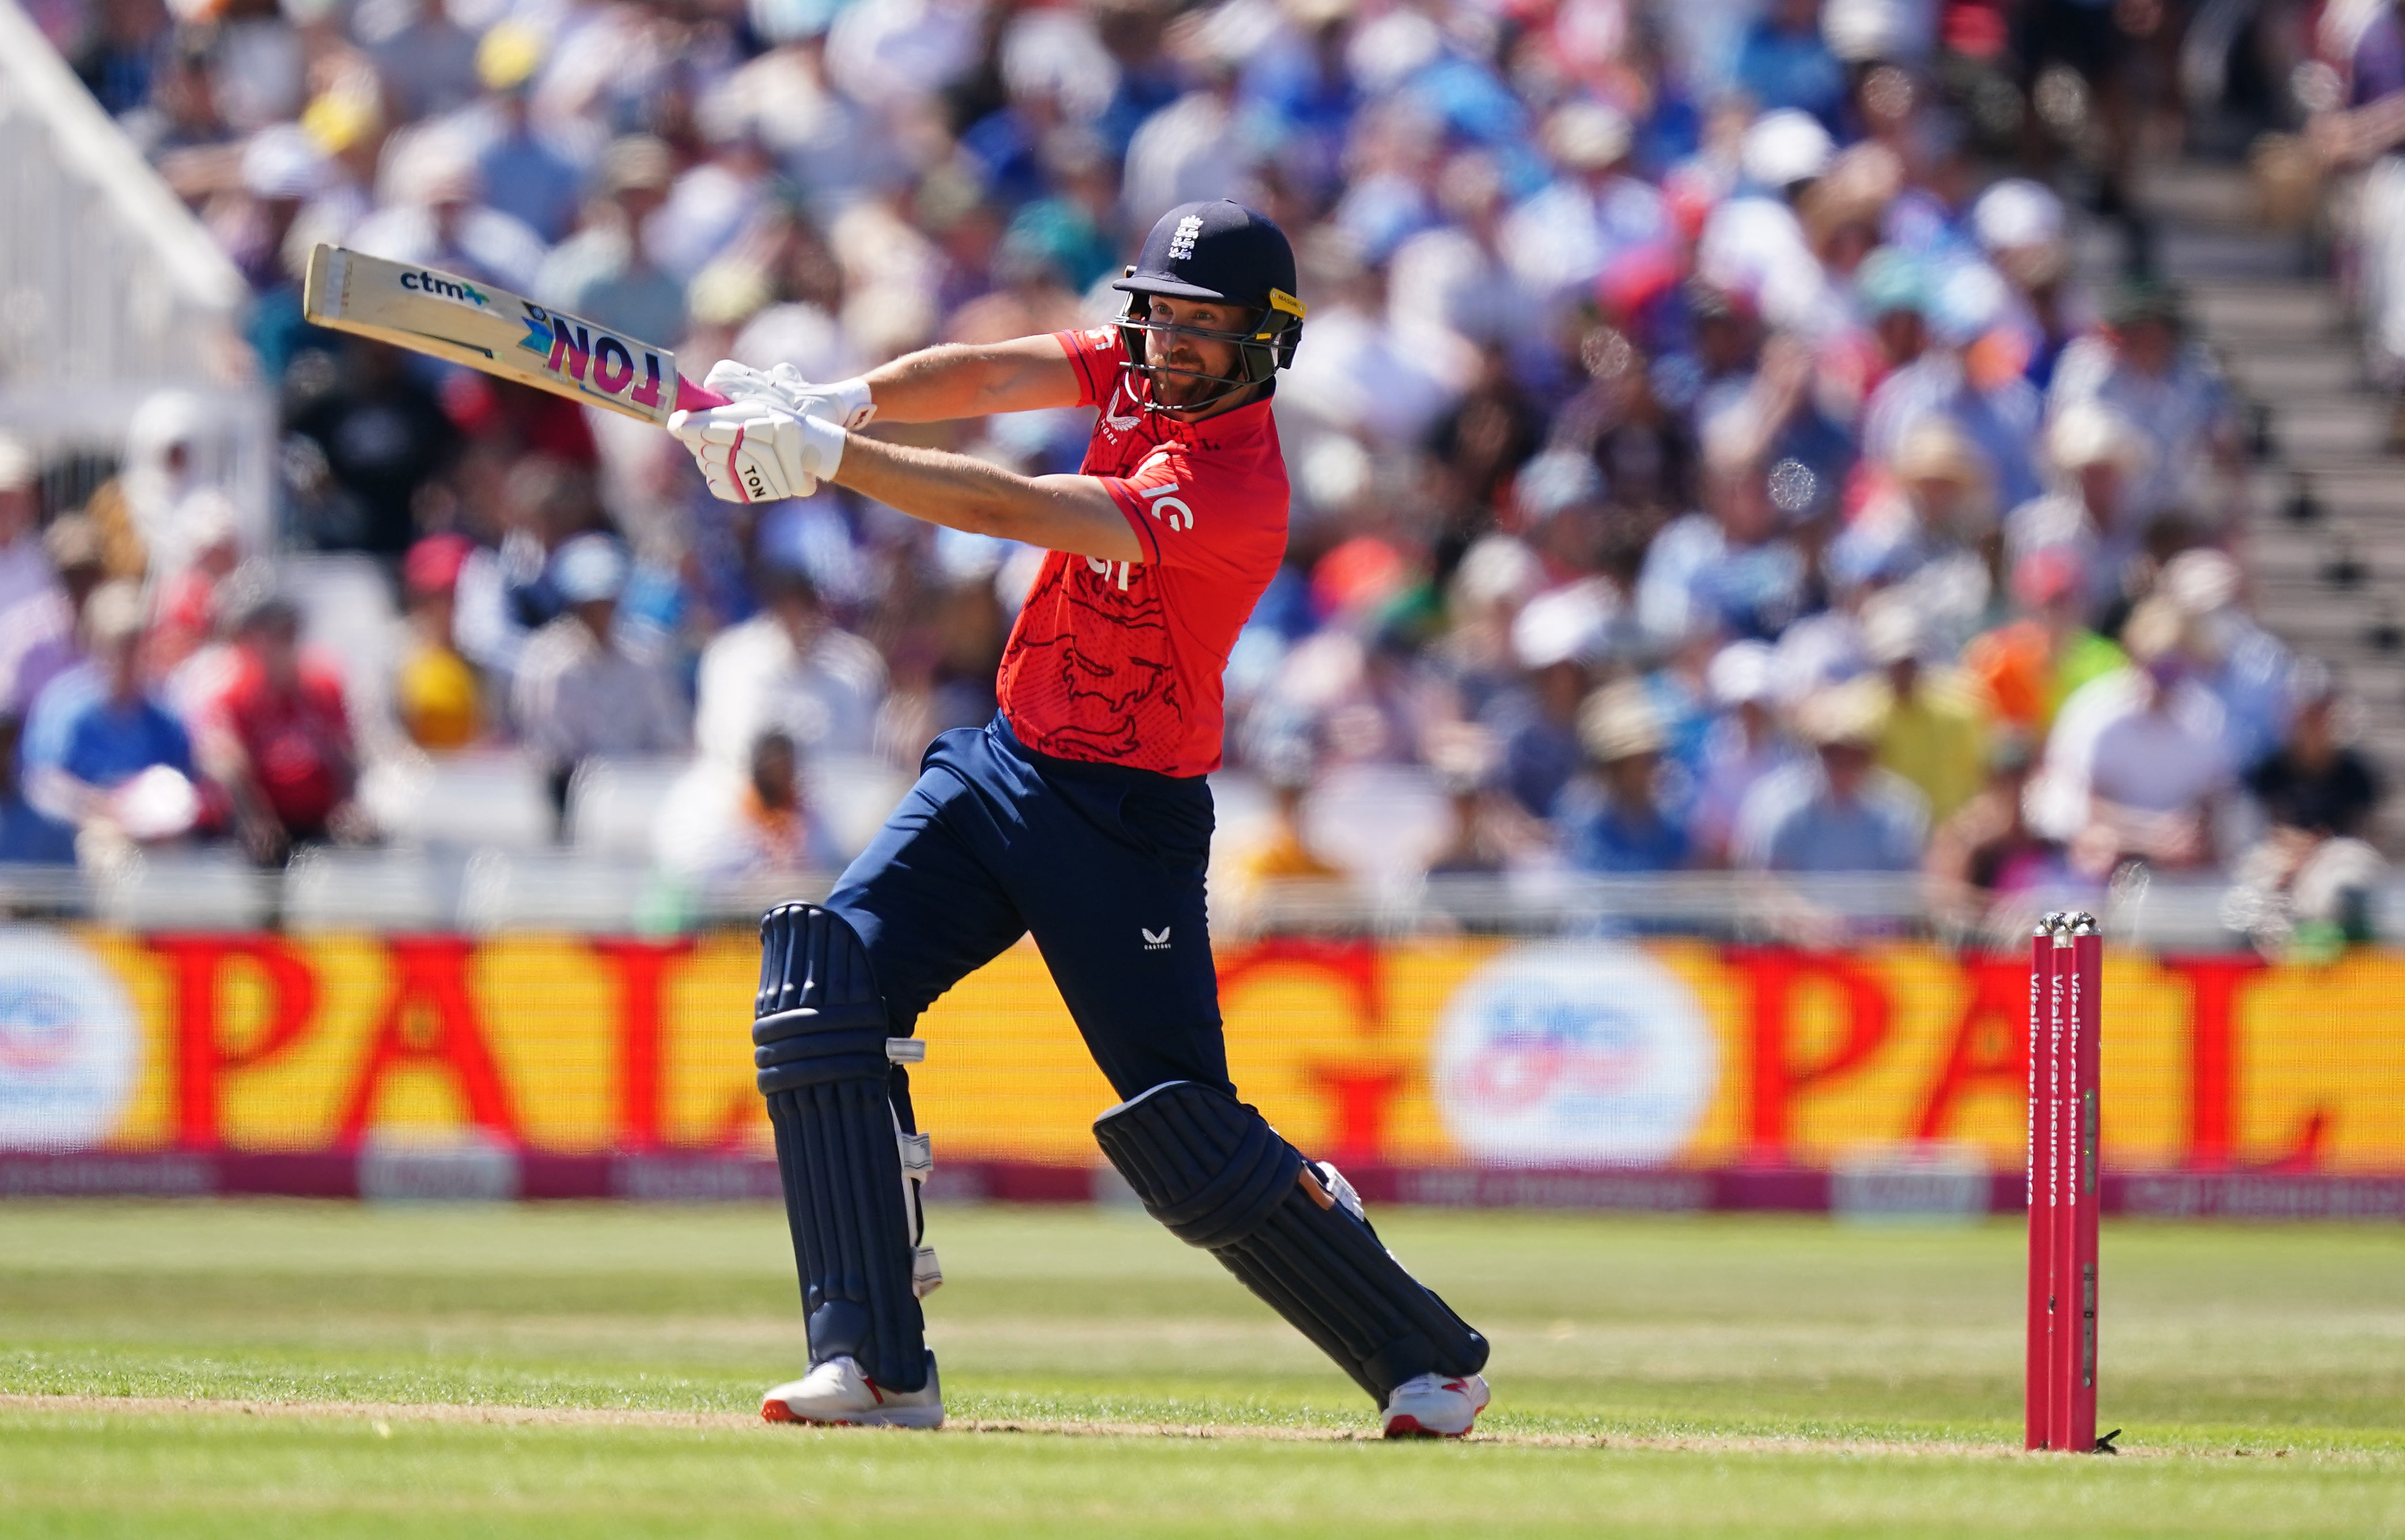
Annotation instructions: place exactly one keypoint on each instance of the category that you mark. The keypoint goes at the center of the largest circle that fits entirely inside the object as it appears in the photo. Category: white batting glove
(845, 403)
(754, 451)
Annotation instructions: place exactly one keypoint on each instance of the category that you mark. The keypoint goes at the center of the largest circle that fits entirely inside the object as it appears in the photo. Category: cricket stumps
(2066, 999)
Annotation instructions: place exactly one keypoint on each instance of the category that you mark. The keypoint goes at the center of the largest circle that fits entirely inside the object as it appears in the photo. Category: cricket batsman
(1080, 814)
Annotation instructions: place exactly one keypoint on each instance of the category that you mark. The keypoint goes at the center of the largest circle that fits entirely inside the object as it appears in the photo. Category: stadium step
(2324, 540)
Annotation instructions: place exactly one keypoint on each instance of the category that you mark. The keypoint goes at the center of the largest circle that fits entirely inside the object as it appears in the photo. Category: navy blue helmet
(1226, 252)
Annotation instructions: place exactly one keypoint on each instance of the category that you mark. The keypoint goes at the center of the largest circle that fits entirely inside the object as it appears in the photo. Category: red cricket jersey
(1119, 662)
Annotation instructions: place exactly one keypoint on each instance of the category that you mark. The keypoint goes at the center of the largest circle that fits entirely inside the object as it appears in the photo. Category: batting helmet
(1226, 252)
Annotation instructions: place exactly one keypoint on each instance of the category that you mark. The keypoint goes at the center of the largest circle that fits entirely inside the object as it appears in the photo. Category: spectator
(2139, 764)
(792, 669)
(44, 637)
(757, 825)
(1498, 576)
(187, 599)
(439, 217)
(2314, 866)
(2365, 133)
(102, 754)
(1836, 811)
(1930, 727)
(1744, 744)
(1560, 499)
(580, 693)
(435, 688)
(2000, 415)
(1927, 531)
(274, 734)
(168, 497)
(425, 60)
(2316, 783)
(945, 680)
(2099, 457)
(531, 180)
(2029, 667)
(124, 54)
(1281, 852)
(1784, 62)
(504, 592)
(714, 198)
(607, 269)
(1450, 286)
(2019, 225)
(1987, 855)
(1891, 291)
(1556, 639)
(381, 437)
(1074, 225)
(1593, 213)
(1728, 567)
(1030, 295)
(1754, 242)
(2143, 366)
(28, 837)
(24, 573)
(2245, 666)
(1490, 830)
(1615, 822)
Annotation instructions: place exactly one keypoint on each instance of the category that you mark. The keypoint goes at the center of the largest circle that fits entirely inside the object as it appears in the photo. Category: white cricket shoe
(1430, 1406)
(839, 1391)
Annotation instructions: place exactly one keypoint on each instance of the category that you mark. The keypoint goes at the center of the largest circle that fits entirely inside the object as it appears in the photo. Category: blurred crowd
(1707, 453)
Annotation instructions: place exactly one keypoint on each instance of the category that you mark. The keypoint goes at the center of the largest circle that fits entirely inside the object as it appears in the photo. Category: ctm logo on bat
(596, 360)
(422, 282)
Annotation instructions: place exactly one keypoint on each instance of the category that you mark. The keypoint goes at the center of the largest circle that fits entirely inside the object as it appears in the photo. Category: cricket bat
(497, 332)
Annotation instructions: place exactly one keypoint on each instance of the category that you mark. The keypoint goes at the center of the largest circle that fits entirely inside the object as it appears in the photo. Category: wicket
(2066, 959)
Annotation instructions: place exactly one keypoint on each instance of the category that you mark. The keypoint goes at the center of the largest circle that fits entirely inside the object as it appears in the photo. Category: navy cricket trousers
(1104, 864)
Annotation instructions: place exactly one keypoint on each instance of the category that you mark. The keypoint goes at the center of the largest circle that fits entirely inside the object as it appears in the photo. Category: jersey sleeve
(1095, 353)
(1198, 513)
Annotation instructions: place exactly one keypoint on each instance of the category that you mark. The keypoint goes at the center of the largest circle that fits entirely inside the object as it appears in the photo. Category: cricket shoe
(1432, 1406)
(839, 1391)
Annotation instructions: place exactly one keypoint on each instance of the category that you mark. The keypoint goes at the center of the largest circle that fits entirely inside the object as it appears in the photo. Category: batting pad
(819, 1041)
(1213, 1169)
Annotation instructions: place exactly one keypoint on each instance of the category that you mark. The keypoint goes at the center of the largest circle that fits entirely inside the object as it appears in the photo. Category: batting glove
(846, 402)
(754, 451)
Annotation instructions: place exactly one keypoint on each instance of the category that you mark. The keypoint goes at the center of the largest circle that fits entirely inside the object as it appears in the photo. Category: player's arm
(753, 451)
(933, 384)
(939, 383)
(1073, 513)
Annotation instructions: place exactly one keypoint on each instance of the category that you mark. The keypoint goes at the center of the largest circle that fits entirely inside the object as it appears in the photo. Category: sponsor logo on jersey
(1164, 503)
(1155, 941)
(1104, 569)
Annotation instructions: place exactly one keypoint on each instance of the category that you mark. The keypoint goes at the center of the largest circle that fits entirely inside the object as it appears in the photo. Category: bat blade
(502, 334)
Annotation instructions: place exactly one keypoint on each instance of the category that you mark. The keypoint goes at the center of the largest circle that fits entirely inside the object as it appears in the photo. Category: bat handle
(693, 397)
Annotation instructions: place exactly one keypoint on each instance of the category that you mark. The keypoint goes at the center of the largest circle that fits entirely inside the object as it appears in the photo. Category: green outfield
(593, 1371)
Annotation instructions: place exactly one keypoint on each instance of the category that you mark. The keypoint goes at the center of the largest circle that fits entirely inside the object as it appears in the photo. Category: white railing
(489, 889)
(111, 291)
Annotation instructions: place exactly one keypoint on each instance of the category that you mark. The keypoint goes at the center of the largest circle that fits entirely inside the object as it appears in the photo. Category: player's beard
(1181, 380)
(1174, 387)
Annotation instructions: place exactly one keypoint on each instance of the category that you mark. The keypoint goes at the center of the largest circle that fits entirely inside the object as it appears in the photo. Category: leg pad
(820, 1045)
(1214, 1170)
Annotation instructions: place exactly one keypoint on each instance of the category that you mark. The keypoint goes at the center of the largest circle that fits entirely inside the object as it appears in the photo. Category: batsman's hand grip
(693, 397)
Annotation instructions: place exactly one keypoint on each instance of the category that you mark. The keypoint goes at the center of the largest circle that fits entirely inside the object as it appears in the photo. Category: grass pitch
(597, 1369)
